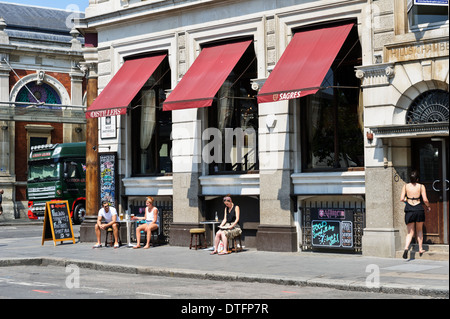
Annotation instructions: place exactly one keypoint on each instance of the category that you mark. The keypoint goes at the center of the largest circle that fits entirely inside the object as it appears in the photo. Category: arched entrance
(430, 156)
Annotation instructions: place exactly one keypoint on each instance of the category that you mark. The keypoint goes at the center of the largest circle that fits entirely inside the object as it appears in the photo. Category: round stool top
(197, 230)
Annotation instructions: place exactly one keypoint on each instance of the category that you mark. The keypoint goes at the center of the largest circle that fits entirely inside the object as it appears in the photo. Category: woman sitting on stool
(152, 223)
(229, 228)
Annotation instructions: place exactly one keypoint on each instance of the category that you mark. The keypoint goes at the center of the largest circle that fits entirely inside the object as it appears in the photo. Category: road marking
(94, 288)
(411, 268)
(152, 294)
(416, 275)
(23, 283)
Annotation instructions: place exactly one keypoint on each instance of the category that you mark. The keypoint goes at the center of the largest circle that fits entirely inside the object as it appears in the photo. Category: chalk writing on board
(61, 222)
(325, 233)
(57, 222)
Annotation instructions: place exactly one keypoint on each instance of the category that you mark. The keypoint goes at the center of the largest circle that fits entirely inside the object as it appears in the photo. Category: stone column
(7, 129)
(186, 142)
(77, 132)
(380, 238)
(276, 231)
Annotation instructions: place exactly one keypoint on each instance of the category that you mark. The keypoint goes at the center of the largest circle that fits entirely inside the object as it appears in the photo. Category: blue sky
(70, 5)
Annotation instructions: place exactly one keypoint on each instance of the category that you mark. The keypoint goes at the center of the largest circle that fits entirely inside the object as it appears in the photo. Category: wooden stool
(233, 240)
(196, 232)
(110, 234)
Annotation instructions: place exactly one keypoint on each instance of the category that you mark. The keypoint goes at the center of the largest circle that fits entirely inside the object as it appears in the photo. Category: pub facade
(287, 106)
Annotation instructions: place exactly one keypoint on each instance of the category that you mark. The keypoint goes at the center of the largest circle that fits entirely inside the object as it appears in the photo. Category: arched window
(431, 106)
(43, 92)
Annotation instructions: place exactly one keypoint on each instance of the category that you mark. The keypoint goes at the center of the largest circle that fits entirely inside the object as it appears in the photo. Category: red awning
(304, 64)
(120, 91)
(204, 78)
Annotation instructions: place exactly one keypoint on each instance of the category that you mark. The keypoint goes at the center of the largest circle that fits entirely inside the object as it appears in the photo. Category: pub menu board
(57, 222)
(107, 163)
(332, 228)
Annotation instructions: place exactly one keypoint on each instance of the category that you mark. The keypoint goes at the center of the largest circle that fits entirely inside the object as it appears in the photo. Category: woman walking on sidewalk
(412, 193)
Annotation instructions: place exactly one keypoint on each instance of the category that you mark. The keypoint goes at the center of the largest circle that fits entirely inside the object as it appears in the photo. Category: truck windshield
(43, 172)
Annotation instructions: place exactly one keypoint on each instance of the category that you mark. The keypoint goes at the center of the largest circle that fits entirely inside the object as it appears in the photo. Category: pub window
(233, 121)
(331, 120)
(426, 12)
(151, 127)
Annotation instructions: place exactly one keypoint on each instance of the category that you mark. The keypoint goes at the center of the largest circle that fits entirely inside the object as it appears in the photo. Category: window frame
(412, 14)
(159, 82)
(306, 142)
(240, 79)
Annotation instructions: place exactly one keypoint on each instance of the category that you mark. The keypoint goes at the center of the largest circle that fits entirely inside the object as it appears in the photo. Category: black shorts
(414, 214)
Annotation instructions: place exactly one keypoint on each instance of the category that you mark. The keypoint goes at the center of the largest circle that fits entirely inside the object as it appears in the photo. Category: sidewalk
(340, 271)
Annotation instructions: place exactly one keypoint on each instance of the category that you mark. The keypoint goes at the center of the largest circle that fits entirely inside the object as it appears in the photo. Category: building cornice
(155, 10)
(142, 11)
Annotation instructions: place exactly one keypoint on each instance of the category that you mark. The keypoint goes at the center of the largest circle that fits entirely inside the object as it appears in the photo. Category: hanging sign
(57, 222)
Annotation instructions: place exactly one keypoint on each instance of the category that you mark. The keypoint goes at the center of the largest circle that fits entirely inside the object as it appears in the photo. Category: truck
(57, 172)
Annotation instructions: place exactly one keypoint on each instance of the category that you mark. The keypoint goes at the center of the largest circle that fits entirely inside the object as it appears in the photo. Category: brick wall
(64, 78)
(21, 151)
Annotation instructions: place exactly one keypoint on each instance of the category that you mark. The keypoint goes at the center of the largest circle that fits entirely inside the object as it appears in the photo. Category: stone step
(433, 252)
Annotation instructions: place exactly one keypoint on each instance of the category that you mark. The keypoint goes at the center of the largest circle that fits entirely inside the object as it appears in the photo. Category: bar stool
(110, 236)
(233, 241)
(197, 232)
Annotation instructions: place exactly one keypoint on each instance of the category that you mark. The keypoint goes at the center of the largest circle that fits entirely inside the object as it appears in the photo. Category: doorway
(430, 158)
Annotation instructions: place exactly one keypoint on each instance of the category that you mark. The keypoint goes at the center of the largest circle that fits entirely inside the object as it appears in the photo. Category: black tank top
(231, 215)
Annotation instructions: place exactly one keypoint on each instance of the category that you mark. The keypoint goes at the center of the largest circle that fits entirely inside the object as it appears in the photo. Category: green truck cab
(57, 172)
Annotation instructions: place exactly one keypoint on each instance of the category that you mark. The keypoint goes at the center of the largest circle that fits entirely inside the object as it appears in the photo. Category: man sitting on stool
(110, 216)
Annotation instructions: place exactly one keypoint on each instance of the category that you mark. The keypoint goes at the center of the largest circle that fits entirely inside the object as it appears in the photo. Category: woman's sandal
(421, 252)
(405, 254)
(214, 252)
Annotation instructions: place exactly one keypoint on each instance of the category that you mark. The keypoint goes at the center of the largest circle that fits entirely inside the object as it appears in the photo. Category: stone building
(405, 92)
(39, 62)
(302, 110)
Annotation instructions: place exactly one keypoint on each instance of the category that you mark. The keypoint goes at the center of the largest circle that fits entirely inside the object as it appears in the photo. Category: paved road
(71, 282)
(188, 274)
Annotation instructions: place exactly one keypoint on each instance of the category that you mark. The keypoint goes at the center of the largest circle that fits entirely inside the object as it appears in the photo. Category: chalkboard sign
(57, 222)
(332, 228)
